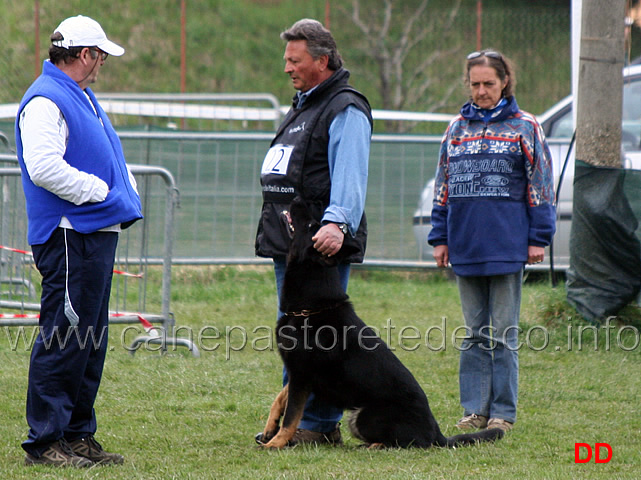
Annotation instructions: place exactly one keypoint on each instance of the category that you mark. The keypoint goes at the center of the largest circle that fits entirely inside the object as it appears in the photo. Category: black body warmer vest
(297, 165)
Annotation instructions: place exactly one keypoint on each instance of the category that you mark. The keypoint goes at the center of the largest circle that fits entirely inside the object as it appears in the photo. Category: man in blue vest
(79, 195)
(321, 153)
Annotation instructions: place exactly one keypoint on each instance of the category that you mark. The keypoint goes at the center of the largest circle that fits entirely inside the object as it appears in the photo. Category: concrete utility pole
(605, 253)
(600, 90)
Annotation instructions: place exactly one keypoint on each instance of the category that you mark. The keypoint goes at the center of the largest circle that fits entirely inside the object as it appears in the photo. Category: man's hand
(329, 239)
(442, 255)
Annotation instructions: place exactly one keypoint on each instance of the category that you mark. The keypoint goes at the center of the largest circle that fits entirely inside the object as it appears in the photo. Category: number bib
(277, 160)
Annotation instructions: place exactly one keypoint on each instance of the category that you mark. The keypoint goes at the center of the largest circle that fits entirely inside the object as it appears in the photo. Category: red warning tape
(20, 315)
(24, 252)
(127, 274)
(117, 272)
(146, 324)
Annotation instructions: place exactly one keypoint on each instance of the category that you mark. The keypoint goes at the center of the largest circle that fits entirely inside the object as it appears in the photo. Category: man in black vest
(321, 153)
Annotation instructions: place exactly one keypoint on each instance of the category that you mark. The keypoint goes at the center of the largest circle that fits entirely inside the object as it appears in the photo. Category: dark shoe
(88, 447)
(302, 437)
(59, 454)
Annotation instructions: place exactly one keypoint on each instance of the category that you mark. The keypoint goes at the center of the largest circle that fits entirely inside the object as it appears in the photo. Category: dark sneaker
(302, 437)
(59, 454)
(88, 447)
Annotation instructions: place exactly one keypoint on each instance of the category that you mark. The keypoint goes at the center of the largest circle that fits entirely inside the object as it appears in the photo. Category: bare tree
(393, 36)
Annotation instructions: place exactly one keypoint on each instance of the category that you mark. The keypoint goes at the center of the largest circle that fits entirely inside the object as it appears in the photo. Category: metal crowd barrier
(218, 175)
(133, 301)
(214, 145)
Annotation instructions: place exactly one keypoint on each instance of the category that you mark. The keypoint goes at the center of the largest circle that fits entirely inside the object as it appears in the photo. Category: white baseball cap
(83, 31)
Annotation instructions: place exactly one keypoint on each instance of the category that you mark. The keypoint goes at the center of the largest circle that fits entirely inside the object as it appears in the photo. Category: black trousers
(69, 354)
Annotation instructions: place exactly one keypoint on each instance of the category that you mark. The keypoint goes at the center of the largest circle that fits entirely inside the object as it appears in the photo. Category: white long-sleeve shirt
(44, 135)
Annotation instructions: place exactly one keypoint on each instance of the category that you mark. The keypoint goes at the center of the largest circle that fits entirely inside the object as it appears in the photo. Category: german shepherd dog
(327, 349)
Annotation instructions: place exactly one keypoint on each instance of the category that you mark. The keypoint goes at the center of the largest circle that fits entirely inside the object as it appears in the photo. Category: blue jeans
(489, 369)
(318, 416)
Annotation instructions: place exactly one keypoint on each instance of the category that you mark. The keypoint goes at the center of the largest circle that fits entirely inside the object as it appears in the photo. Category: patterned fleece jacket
(494, 190)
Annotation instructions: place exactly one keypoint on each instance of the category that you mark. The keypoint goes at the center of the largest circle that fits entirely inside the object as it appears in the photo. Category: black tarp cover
(605, 249)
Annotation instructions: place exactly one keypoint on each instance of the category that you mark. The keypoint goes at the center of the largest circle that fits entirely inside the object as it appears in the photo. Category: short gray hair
(319, 40)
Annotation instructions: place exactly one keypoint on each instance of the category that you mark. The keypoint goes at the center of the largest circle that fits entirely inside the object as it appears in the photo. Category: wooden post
(183, 46)
(479, 23)
(600, 90)
(327, 14)
(36, 48)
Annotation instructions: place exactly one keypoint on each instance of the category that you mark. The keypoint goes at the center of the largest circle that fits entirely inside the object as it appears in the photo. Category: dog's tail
(488, 435)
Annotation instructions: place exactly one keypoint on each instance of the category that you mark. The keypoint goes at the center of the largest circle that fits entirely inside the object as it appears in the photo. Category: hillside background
(233, 46)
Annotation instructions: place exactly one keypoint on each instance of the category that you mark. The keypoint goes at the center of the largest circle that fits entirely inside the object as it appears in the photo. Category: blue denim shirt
(348, 154)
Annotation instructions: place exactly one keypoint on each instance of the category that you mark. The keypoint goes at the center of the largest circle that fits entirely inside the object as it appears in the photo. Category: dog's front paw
(263, 438)
(279, 441)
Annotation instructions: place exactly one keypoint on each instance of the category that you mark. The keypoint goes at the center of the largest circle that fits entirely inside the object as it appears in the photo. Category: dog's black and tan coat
(327, 349)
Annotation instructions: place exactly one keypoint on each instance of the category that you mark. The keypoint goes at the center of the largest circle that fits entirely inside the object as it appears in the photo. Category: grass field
(175, 416)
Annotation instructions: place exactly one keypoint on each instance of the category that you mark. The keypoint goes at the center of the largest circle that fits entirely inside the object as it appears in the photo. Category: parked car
(558, 125)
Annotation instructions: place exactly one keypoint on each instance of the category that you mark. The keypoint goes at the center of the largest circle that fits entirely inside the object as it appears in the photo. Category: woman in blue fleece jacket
(493, 213)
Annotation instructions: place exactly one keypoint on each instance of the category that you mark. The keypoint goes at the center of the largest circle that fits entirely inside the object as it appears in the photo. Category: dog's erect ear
(325, 260)
(347, 250)
(300, 214)
(303, 228)
(286, 218)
